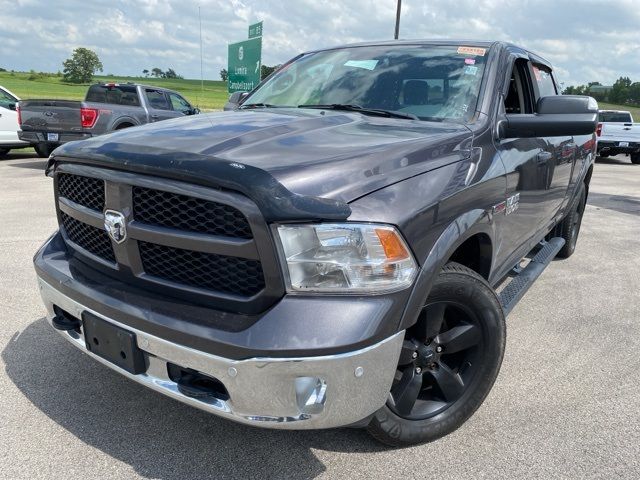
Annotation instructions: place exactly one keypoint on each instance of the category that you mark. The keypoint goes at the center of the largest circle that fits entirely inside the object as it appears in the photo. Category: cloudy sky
(586, 40)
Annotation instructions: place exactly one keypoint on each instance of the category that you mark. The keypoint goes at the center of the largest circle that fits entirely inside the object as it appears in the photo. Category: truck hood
(336, 156)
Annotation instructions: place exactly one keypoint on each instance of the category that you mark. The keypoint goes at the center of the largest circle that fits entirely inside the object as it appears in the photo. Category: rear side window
(116, 94)
(157, 99)
(616, 117)
(544, 79)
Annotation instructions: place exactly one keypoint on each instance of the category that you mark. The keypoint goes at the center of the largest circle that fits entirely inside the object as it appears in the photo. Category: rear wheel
(4, 152)
(42, 150)
(635, 158)
(449, 361)
(569, 227)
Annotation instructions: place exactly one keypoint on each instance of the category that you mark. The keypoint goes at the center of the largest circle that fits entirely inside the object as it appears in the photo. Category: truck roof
(131, 84)
(614, 111)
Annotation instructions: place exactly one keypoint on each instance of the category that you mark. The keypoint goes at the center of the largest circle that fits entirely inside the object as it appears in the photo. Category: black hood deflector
(274, 201)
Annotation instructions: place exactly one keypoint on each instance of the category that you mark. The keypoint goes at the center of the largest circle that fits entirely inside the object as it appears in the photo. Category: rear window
(118, 95)
(616, 117)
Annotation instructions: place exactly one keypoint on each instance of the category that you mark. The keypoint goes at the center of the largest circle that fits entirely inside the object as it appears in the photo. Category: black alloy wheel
(448, 363)
(438, 361)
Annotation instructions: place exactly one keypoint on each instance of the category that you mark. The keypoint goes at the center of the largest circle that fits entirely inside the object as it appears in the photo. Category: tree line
(158, 73)
(623, 92)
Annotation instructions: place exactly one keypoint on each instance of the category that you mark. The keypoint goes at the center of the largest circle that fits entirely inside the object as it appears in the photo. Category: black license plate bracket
(113, 343)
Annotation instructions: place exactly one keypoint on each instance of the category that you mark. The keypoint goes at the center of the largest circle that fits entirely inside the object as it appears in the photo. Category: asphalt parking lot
(566, 403)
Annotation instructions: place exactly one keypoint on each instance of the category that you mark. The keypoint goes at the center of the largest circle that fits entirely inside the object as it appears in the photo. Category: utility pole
(201, 70)
(398, 19)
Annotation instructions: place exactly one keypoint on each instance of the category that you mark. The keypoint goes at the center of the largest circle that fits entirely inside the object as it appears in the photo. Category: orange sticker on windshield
(478, 51)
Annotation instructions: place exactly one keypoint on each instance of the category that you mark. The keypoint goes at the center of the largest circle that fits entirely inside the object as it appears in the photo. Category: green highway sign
(244, 61)
(255, 30)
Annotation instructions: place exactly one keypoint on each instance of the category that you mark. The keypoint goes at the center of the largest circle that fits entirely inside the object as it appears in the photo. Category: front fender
(457, 232)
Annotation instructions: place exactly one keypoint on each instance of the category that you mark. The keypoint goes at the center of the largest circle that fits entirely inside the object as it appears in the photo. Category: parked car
(9, 122)
(341, 249)
(617, 134)
(107, 107)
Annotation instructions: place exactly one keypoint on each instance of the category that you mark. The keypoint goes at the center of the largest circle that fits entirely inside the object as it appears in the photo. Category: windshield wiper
(347, 107)
(257, 105)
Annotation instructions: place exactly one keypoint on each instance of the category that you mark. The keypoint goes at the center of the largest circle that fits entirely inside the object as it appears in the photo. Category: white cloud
(586, 40)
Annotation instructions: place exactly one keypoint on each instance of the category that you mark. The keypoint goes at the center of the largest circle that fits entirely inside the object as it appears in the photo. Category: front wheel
(4, 152)
(449, 361)
(635, 158)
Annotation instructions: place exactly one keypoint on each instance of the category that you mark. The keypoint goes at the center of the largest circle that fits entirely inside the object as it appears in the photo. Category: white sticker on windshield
(368, 64)
(477, 51)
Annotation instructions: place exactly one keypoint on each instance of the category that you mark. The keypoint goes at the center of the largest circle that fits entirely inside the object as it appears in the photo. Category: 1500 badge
(509, 206)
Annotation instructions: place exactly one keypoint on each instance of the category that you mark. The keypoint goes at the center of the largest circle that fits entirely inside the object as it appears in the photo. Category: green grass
(213, 97)
(635, 111)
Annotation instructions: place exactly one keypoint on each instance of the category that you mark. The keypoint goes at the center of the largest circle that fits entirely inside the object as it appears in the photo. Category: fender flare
(120, 120)
(457, 232)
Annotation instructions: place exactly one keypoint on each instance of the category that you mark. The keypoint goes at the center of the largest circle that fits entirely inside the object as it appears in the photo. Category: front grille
(88, 237)
(214, 249)
(235, 275)
(86, 191)
(171, 210)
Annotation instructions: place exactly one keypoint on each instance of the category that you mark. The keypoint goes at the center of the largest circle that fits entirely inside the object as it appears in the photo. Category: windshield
(430, 82)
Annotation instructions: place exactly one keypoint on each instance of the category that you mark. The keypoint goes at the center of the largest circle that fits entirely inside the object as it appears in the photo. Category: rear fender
(121, 121)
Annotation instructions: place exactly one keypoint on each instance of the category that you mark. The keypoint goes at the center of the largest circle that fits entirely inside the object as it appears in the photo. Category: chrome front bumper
(286, 393)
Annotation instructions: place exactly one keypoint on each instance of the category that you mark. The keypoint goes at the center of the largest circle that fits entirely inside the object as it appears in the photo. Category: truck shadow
(159, 437)
(619, 203)
(617, 160)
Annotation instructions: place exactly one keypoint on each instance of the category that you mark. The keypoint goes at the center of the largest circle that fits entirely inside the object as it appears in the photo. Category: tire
(124, 125)
(4, 152)
(569, 227)
(635, 158)
(42, 150)
(603, 155)
(449, 363)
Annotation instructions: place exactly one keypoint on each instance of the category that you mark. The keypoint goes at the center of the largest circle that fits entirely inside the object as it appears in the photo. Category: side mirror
(12, 106)
(558, 116)
(235, 99)
(194, 111)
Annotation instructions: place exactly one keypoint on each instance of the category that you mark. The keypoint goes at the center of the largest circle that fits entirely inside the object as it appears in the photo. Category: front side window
(179, 104)
(430, 82)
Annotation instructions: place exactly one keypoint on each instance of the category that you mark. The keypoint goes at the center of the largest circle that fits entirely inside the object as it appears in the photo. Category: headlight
(346, 258)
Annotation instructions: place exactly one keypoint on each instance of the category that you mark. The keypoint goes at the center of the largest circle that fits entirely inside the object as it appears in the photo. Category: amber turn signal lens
(393, 247)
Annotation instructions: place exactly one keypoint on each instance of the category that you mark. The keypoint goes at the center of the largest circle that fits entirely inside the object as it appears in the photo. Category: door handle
(543, 157)
(155, 116)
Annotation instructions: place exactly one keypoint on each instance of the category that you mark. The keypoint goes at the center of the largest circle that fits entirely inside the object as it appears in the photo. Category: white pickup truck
(616, 133)
(9, 123)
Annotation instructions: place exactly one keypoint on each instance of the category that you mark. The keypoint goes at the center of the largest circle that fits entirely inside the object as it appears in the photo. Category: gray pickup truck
(46, 124)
